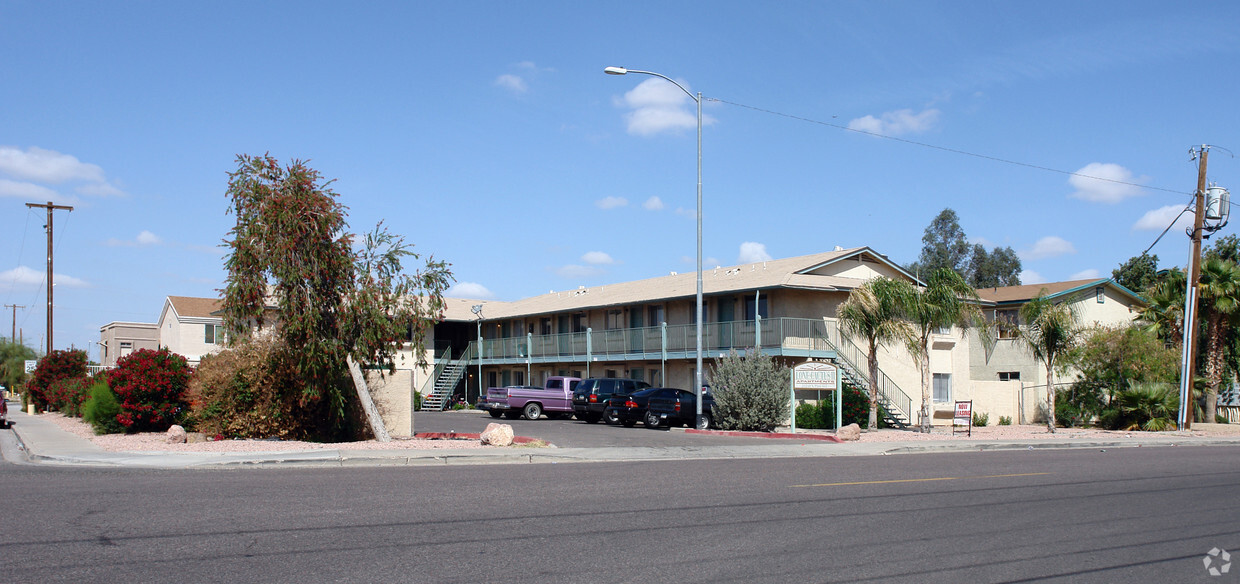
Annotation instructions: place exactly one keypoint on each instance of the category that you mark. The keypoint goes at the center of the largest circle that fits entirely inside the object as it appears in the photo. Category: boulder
(849, 433)
(195, 437)
(176, 435)
(497, 435)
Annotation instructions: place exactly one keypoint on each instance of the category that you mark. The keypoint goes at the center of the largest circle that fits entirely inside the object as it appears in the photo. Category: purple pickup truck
(555, 398)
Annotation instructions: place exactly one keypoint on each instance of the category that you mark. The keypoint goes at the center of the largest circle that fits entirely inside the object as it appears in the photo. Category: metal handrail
(440, 364)
(854, 357)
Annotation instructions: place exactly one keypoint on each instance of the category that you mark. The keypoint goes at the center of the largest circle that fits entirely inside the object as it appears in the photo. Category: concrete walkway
(40, 441)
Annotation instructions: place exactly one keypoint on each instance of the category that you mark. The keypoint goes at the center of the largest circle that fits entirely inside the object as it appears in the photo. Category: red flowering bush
(53, 367)
(151, 388)
(68, 394)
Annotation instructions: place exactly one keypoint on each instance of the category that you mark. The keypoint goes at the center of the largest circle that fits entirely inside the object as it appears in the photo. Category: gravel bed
(1034, 432)
(155, 442)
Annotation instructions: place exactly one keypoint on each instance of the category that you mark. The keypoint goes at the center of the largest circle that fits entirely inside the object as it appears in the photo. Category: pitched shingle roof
(187, 306)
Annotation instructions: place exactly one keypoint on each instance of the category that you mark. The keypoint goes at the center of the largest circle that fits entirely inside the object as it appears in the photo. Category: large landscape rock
(497, 435)
(176, 435)
(849, 433)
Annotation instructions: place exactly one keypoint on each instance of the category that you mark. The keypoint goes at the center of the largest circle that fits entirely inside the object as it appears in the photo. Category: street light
(697, 386)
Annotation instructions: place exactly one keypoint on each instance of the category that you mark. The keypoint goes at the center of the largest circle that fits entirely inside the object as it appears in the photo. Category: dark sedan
(680, 408)
(631, 409)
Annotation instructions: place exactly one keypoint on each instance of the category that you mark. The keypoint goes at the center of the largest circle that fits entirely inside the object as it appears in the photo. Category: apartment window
(1099, 295)
(942, 387)
(520, 375)
(579, 322)
(544, 326)
(1009, 323)
(762, 310)
(1009, 376)
(214, 334)
(655, 314)
(943, 330)
(614, 320)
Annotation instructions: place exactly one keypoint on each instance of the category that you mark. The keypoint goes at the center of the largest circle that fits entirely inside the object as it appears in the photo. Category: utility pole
(50, 207)
(13, 335)
(1189, 357)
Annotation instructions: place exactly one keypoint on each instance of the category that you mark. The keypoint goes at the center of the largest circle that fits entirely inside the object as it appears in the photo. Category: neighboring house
(1098, 302)
(188, 327)
(117, 339)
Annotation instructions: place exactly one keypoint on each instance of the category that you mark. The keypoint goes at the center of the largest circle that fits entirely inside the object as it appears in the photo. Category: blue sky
(488, 135)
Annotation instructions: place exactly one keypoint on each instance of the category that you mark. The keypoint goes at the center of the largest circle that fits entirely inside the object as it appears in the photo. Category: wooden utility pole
(1189, 364)
(50, 207)
(13, 335)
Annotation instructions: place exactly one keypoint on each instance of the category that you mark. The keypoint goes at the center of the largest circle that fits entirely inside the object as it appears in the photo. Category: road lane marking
(926, 480)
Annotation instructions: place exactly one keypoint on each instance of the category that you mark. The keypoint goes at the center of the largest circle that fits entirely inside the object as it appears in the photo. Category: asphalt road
(1127, 515)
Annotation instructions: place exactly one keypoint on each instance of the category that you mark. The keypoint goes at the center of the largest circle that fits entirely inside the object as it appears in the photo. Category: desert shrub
(1068, 414)
(980, 419)
(252, 391)
(53, 367)
(1005, 420)
(68, 394)
(150, 385)
(1143, 406)
(751, 392)
(101, 409)
(810, 415)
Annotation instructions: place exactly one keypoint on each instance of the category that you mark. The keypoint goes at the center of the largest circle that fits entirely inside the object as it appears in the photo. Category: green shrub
(980, 419)
(150, 386)
(101, 410)
(417, 401)
(751, 392)
(53, 367)
(1143, 406)
(1068, 414)
(856, 410)
(1005, 421)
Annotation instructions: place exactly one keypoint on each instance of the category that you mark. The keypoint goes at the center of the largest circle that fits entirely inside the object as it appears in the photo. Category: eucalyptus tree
(944, 302)
(874, 311)
(1049, 330)
(1219, 288)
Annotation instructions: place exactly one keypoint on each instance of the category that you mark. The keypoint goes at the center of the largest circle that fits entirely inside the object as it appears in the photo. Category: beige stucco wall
(393, 395)
(140, 335)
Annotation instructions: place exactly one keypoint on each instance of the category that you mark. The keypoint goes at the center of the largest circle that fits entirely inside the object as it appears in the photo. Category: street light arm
(623, 71)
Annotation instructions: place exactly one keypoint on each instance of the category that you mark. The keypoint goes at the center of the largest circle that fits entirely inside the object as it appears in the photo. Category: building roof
(795, 272)
(1025, 292)
(187, 306)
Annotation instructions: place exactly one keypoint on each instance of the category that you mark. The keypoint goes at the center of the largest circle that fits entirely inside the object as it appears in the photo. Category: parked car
(591, 396)
(628, 410)
(555, 398)
(4, 409)
(667, 410)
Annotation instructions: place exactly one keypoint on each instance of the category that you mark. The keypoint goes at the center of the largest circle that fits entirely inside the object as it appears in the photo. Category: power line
(944, 148)
(1164, 232)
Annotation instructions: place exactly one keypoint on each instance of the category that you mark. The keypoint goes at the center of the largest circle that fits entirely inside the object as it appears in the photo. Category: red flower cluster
(150, 386)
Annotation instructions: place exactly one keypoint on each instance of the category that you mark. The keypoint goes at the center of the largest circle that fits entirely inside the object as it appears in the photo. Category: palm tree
(1164, 316)
(1219, 288)
(1049, 331)
(873, 312)
(944, 302)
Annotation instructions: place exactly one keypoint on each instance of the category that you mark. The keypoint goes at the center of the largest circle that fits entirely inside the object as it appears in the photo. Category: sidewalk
(43, 442)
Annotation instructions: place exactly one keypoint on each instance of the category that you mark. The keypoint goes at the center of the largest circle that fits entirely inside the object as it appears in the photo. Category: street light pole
(697, 386)
(477, 309)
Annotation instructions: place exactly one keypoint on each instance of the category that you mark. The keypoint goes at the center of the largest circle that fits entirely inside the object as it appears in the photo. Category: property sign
(964, 412)
(815, 376)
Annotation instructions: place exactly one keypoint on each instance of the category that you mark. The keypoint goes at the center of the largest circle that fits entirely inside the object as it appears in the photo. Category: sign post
(963, 416)
(819, 376)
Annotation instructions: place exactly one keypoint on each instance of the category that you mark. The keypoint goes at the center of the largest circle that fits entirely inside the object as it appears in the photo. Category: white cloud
(897, 122)
(597, 258)
(1031, 277)
(469, 290)
(752, 252)
(512, 83)
(653, 204)
(25, 190)
(986, 243)
(23, 276)
(574, 271)
(148, 238)
(1085, 275)
(611, 202)
(46, 166)
(658, 106)
(1048, 247)
(1095, 183)
(99, 190)
(1160, 218)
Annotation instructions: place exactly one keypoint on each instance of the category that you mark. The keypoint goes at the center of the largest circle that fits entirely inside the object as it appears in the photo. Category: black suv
(590, 397)
(678, 407)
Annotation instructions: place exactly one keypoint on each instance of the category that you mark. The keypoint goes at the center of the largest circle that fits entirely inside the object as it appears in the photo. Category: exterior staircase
(446, 376)
(897, 406)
